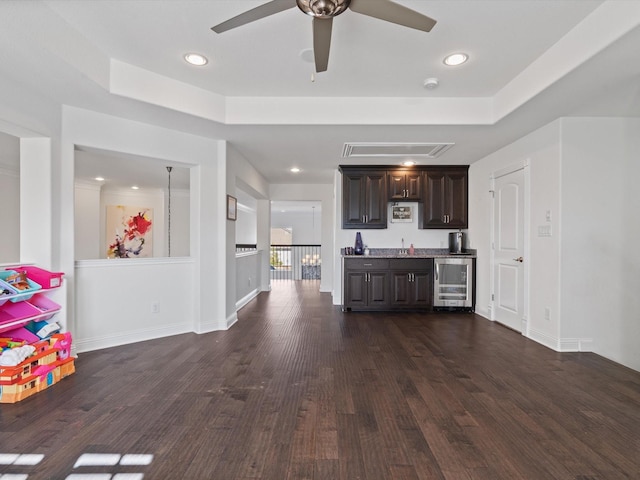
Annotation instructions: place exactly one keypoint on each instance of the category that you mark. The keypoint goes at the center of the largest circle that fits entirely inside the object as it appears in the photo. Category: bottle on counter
(358, 248)
(366, 250)
(411, 249)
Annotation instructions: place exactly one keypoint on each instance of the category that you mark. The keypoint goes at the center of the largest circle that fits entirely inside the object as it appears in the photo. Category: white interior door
(508, 245)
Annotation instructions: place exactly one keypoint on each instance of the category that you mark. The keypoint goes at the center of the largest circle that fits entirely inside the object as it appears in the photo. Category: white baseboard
(133, 336)
(246, 299)
(544, 339)
(576, 345)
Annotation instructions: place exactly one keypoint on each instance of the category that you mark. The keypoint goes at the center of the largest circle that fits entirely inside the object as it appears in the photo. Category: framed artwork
(232, 208)
(401, 214)
(129, 231)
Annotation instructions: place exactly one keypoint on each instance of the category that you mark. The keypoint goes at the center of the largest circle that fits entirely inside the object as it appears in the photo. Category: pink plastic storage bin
(25, 294)
(45, 305)
(12, 313)
(41, 276)
(21, 333)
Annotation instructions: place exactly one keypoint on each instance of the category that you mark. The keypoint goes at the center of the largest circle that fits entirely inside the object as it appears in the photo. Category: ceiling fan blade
(322, 42)
(270, 8)
(394, 13)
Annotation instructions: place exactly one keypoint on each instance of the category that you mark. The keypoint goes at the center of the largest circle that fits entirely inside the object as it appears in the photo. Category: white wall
(130, 300)
(242, 179)
(200, 296)
(540, 150)
(248, 277)
(88, 244)
(601, 212)
(10, 214)
(583, 171)
(307, 226)
(180, 227)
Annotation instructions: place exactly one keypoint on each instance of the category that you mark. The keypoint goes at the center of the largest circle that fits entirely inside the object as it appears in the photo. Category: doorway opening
(295, 252)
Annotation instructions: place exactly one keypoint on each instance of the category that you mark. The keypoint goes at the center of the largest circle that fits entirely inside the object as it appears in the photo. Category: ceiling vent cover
(423, 150)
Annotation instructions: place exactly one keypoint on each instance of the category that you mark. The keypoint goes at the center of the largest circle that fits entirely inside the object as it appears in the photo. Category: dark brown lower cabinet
(411, 283)
(366, 284)
(387, 284)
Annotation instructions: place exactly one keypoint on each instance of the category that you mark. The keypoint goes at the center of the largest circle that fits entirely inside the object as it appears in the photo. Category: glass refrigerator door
(453, 282)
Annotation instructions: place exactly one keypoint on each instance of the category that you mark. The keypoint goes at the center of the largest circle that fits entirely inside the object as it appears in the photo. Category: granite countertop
(418, 253)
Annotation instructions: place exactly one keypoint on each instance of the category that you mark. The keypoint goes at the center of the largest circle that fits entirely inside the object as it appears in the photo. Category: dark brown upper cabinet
(445, 203)
(404, 185)
(364, 198)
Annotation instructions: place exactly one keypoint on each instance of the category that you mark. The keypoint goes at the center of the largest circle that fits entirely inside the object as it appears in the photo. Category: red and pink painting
(129, 232)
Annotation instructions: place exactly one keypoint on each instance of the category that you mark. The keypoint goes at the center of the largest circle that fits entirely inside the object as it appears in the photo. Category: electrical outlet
(155, 308)
(547, 314)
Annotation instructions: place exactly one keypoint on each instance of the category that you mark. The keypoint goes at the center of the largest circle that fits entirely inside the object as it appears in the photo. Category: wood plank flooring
(298, 389)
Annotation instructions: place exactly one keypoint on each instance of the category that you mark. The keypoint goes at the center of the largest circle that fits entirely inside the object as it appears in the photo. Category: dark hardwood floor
(298, 389)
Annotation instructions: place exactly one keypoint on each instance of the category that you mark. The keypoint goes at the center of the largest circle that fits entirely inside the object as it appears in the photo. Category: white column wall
(600, 212)
(36, 201)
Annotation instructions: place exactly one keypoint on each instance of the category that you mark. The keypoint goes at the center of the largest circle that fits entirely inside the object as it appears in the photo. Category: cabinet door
(376, 200)
(434, 201)
(364, 199)
(355, 289)
(353, 199)
(378, 289)
(404, 185)
(422, 289)
(401, 289)
(456, 199)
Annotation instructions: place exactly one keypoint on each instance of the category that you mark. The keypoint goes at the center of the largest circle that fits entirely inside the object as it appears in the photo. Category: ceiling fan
(323, 12)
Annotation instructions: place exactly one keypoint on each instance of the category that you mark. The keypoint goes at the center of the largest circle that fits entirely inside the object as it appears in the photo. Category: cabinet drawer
(366, 263)
(411, 264)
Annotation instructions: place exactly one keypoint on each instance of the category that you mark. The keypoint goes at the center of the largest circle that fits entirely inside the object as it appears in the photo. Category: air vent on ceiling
(425, 150)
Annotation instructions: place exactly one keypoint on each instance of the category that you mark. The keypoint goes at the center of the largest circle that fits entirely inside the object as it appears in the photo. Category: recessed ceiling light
(99, 179)
(455, 59)
(135, 187)
(295, 170)
(409, 163)
(196, 59)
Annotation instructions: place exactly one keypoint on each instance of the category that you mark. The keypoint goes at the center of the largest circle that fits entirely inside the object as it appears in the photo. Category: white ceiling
(531, 61)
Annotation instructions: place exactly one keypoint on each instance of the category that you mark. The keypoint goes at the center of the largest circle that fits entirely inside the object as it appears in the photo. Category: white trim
(130, 262)
(514, 167)
(544, 339)
(232, 319)
(247, 298)
(117, 339)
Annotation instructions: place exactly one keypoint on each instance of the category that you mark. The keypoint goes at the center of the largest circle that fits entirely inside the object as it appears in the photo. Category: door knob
(519, 259)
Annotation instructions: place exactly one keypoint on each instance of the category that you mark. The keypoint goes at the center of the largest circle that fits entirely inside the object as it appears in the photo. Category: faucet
(402, 250)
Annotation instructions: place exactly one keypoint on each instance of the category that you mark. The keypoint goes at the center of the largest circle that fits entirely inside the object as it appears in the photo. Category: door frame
(514, 167)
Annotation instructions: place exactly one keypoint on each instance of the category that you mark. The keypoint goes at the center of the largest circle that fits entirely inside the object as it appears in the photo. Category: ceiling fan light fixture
(455, 59)
(323, 8)
(196, 59)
